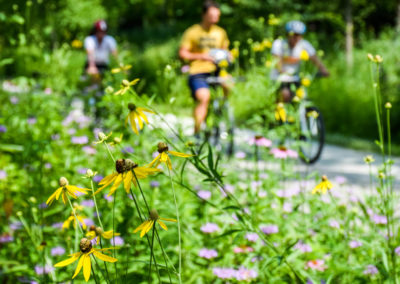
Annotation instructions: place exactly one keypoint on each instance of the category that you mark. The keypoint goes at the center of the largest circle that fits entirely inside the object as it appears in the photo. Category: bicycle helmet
(100, 26)
(296, 27)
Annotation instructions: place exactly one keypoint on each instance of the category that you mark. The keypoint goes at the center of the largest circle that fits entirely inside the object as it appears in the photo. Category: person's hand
(206, 57)
(92, 70)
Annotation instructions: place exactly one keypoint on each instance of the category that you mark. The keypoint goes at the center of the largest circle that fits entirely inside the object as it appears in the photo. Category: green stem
(95, 204)
(76, 219)
(179, 227)
(113, 240)
(109, 152)
(151, 251)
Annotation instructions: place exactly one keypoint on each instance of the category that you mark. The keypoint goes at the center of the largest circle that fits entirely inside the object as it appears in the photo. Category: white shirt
(290, 72)
(103, 50)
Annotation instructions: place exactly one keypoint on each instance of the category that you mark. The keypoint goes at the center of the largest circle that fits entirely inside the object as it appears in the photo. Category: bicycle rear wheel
(223, 129)
(312, 134)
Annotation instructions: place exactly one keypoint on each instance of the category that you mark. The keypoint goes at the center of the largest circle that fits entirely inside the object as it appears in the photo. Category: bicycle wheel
(223, 129)
(312, 134)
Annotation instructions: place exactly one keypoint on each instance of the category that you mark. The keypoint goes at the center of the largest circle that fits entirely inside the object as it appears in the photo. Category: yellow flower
(235, 52)
(71, 218)
(268, 63)
(137, 114)
(273, 21)
(306, 82)
(84, 261)
(304, 55)
(65, 189)
(117, 140)
(121, 68)
(266, 43)
(300, 92)
(257, 47)
(76, 43)
(125, 168)
(98, 232)
(163, 156)
(280, 112)
(223, 73)
(125, 86)
(149, 223)
(369, 159)
(314, 114)
(223, 64)
(323, 186)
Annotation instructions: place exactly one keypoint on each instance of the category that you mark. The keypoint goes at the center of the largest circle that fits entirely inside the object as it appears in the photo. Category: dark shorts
(198, 81)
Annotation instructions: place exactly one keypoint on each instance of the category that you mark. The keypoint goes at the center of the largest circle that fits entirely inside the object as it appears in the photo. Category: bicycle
(311, 129)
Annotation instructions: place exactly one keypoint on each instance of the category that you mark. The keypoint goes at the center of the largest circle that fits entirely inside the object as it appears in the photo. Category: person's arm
(89, 46)
(321, 67)
(186, 54)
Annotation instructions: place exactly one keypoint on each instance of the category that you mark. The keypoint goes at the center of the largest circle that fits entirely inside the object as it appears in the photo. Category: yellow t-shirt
(198, 40)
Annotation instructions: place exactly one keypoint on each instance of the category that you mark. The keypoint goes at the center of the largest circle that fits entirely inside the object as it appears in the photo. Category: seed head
(85, 245)
(99, 231)
(154, 214)
(162, 147)
(131, 106)
(89, 173)
(120, 166)
(63, 182)
(92, 228)
(324, 178)
(388, 105)
(102, 136)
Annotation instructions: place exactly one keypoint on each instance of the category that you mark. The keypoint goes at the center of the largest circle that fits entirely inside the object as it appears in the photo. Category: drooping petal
(91, 235)
(162, 224)
(86, 267)
(67, 222)
(75, 188)
(64, 197)
(127, 181)
(59, 190)
(79, 266)
(109, 234)
(142, 115)
(53, 196)
(69, 260)
(147, 228)
(104, 257)
(155, 162)
(133, 122)
(141, 226)
(139, 119)
(164, 157)
(82, 221)
(178, 154)
(108, 179)
(117, 182)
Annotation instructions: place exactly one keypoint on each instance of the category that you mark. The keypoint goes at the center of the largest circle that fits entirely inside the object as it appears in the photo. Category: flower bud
(32, 199)
(109, 90)
(63, 182)
(388, 105)
(89, 173)
(99, 231)
(19, 213)
(381, 175)
(154, 214)
(370, 57)
(101, 135)
(131, 106)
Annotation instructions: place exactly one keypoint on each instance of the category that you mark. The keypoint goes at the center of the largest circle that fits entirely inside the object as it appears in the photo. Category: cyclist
(197, 41)
(289, 52)
(98, 47)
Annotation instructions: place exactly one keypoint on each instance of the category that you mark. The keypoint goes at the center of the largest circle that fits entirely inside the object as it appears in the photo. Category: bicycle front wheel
(312, 134)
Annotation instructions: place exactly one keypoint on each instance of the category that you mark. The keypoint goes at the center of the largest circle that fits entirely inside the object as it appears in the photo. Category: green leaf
(210, 158)
(232, 207)
(11, 148)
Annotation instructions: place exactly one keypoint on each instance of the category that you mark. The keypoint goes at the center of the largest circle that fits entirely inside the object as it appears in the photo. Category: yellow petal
(91, 235)
(139, 119)
(64, 197)
(142, 109)
(164, 157)
(80, 219)
(109, 234)
(169, 164)
(162, 224)
(108, 179)
(147, 228)
(127, 181)
(155, 161)
(142, 115)
(178, 154)
(86, 267)
(168, 219)
(53, 196)
(104, 257)
(141, 226)
(59, 190)
(68, 261)
(133, 122)
(79, 266)
(117, 182)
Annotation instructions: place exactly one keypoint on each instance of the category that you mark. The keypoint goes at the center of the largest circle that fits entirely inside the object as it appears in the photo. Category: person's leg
(200, 111)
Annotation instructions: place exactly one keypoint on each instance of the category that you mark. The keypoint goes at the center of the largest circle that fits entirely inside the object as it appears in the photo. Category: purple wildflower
(270, 229)
(43, 270)
(204, 194)
(89, 150)
(355, 244)
(371, 270)
(42, 205)
(303, 247)
(3, 174)
(397, 251)
(334, 224)
(108, 198)
(15, 225)
(57, 251)
(208, 253)
(260, 141)
(251, 237)
(55, 137)
(6, 238)
(14, 100)
(3, 129)
(224, 273)
(240, 155)
(88, 203)
(209, 228)
(32, 120)
(244, 274)
(127, 149)
(88, 222)
(97, 178)
(379, 219)
(154, 184)
(48, 166)
(82, 171)
(57, 225)
(117, 240)
(79, 140)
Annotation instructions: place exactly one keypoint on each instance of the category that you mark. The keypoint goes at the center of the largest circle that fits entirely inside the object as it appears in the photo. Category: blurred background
(42, 41)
